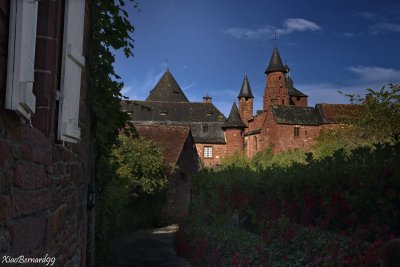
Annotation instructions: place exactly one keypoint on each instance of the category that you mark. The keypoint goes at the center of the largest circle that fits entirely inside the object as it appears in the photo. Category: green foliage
(109, 30)
(337, 209)
(140, 165)
(265, 159)
(379, 118)
(239, 159)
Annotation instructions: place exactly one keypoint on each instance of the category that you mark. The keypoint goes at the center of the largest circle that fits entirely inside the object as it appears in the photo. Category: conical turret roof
(234, 120)
(275, 64)
(245, 91)
(167, 90)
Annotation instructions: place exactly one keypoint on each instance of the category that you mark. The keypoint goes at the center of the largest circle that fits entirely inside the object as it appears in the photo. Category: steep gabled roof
(234, 120)
(275, 64)
(291, 90)
(245, 91)
(161, 134)
(297, 115)
(204, 119)
(167, 90)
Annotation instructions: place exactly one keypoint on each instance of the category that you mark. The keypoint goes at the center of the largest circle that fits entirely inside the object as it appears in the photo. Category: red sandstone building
(286, 121)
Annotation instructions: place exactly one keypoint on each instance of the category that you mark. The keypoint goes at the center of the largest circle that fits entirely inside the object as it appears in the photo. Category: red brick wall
(218, 153)
(246, 109)
(179, 189)
(275, 90)
(234, 141)
(43, 189)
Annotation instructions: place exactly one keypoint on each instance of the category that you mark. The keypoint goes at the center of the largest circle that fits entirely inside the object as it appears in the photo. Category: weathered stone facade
(44, 183)
(179, 151)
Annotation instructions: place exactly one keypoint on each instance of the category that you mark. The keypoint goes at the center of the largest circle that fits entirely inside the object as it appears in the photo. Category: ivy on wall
(110, 30)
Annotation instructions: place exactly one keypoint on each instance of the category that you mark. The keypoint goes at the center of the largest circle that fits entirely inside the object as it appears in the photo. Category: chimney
(207, 99)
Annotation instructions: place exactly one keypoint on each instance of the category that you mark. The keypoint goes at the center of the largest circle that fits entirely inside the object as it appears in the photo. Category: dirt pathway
(148, 248)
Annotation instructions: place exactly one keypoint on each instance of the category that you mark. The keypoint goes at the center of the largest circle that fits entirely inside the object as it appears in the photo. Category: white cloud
(375, 74)
(125, 90)
(384, 27)
(348, 34)
(251, 34)
(366, 15)
(298, 25)
(187, 86)
(290, 25)
(139, 89)
(325, 93)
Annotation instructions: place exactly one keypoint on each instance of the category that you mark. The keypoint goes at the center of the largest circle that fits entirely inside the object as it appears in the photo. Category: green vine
(110, 30)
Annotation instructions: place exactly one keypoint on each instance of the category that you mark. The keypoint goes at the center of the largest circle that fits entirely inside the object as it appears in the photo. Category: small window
(298, 98)
(208, 152)
(305, 132)
(296, 131)
(204, 128)
(283, 102)
(280, 77)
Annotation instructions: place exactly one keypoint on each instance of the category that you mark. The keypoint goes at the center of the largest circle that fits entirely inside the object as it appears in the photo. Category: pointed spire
(167, 90)
(245, 91)
(275, 64)
(234, 120)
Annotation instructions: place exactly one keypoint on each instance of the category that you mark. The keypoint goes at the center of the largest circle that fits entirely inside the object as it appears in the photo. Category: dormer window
(204, 128)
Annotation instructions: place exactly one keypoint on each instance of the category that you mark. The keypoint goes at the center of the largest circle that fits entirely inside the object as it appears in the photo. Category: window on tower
(296, 131)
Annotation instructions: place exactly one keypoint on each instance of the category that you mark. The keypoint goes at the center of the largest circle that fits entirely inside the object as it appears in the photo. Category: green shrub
(351, 195)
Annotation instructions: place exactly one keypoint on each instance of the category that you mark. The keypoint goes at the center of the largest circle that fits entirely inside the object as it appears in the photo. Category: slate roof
(291, 90)
(209, 133)
(234, 120)
(195, 115)
(245, 91)
(172, 111)
(275, 64)
(161, 134)
(167, 90)
(336, 113)
(297, 115)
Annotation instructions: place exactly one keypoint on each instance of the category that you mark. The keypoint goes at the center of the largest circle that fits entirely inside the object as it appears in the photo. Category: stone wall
(246, 109)
(218, 153)
(234, 141)
(179, 189)
(43, 183)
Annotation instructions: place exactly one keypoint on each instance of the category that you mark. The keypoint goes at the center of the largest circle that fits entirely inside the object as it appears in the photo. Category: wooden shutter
(21, 57)
(73, 62)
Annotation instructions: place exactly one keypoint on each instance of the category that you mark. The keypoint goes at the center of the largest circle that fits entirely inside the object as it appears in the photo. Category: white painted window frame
(71, 70)
(21, 58)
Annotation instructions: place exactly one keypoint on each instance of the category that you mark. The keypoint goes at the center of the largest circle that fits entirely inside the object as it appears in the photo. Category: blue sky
(211, 44)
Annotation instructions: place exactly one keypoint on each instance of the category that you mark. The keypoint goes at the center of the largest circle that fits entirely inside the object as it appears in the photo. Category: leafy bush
(140, 165)
(350, 199)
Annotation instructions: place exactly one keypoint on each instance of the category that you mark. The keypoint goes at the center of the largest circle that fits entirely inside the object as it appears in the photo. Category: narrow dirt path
(147, 248)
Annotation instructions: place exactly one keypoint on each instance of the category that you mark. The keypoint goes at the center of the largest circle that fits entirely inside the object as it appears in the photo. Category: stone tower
(246, 102)
(276, 92)
(233, 129)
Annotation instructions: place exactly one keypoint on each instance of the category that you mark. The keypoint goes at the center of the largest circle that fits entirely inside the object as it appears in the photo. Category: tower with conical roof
(246, 101)
(275, 92)
(233, 129)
